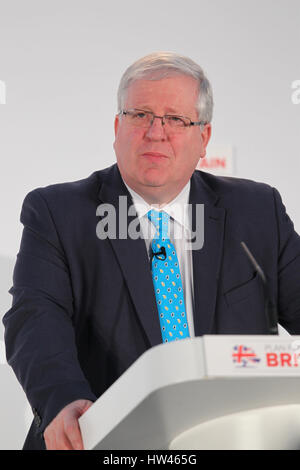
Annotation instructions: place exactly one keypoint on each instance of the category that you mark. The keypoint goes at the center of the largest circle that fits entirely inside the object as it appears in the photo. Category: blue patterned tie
(167, 281)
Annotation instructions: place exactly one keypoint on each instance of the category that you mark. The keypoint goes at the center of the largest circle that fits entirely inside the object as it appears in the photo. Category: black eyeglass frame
(191, 123)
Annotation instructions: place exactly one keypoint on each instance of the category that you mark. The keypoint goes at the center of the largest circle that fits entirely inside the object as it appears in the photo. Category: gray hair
(159, 65)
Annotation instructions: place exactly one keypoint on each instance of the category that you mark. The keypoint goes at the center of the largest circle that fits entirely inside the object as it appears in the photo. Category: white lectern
(211, 392)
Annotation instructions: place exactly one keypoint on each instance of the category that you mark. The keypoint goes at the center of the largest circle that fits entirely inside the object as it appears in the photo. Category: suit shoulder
(71, 190)
(232, 186)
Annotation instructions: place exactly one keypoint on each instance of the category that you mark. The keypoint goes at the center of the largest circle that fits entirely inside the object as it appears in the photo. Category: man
(86, 306)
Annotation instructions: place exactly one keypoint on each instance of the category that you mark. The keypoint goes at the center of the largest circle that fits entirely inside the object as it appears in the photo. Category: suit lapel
(207, 260)
(132, 257)
(134, 262)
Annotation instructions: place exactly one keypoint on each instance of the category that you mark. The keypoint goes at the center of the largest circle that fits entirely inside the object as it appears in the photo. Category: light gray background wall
(61, 61)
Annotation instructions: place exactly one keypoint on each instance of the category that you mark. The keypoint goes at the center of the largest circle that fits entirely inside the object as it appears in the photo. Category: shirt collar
(177, 208)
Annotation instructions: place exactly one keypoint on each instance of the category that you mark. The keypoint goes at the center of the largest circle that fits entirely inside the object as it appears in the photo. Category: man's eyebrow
(142, 107)
(146, 107)
(174, 111)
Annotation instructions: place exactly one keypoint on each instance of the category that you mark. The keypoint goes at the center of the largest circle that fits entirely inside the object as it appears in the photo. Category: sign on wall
(219, 161)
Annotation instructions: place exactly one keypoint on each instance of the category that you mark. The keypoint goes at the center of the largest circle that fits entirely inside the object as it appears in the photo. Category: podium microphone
(270, 307)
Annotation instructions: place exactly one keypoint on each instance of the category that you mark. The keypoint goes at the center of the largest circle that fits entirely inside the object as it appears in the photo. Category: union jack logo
(243, 356)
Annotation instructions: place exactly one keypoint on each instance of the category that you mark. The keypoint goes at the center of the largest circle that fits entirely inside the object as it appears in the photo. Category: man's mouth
(154, 155)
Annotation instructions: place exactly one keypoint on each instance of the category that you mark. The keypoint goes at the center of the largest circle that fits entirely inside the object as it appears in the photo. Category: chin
(155, 177)
(154, 182)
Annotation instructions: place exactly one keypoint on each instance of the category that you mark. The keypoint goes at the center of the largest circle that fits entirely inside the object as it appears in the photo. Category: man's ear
(116, 125)
(205, 136)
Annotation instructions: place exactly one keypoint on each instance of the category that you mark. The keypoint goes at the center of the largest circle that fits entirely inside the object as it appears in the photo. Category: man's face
(156, 163)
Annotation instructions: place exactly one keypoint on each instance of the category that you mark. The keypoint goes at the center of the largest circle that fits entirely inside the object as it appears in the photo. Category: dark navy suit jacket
(84, 309)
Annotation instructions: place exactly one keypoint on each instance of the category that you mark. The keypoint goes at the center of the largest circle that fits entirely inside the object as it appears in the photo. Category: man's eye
(175, 118)
(139, 115)
(176, 121)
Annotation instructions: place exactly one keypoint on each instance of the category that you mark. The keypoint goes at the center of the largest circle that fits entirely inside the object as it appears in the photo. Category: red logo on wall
(212, 163)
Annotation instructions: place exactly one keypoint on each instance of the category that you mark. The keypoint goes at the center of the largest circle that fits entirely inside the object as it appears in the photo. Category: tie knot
(160, 220)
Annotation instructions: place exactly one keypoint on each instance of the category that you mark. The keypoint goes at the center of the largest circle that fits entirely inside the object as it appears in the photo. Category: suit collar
(113, 186)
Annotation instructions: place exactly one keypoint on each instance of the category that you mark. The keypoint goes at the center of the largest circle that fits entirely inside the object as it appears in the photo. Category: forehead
(173, 94)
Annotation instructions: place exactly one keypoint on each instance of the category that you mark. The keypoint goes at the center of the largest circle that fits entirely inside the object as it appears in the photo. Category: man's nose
(157, 130)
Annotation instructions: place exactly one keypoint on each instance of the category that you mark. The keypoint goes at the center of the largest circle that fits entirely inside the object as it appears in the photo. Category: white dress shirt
(180, 233)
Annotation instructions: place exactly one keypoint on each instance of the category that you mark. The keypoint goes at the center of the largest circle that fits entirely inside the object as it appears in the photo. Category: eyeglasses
(141, 118)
